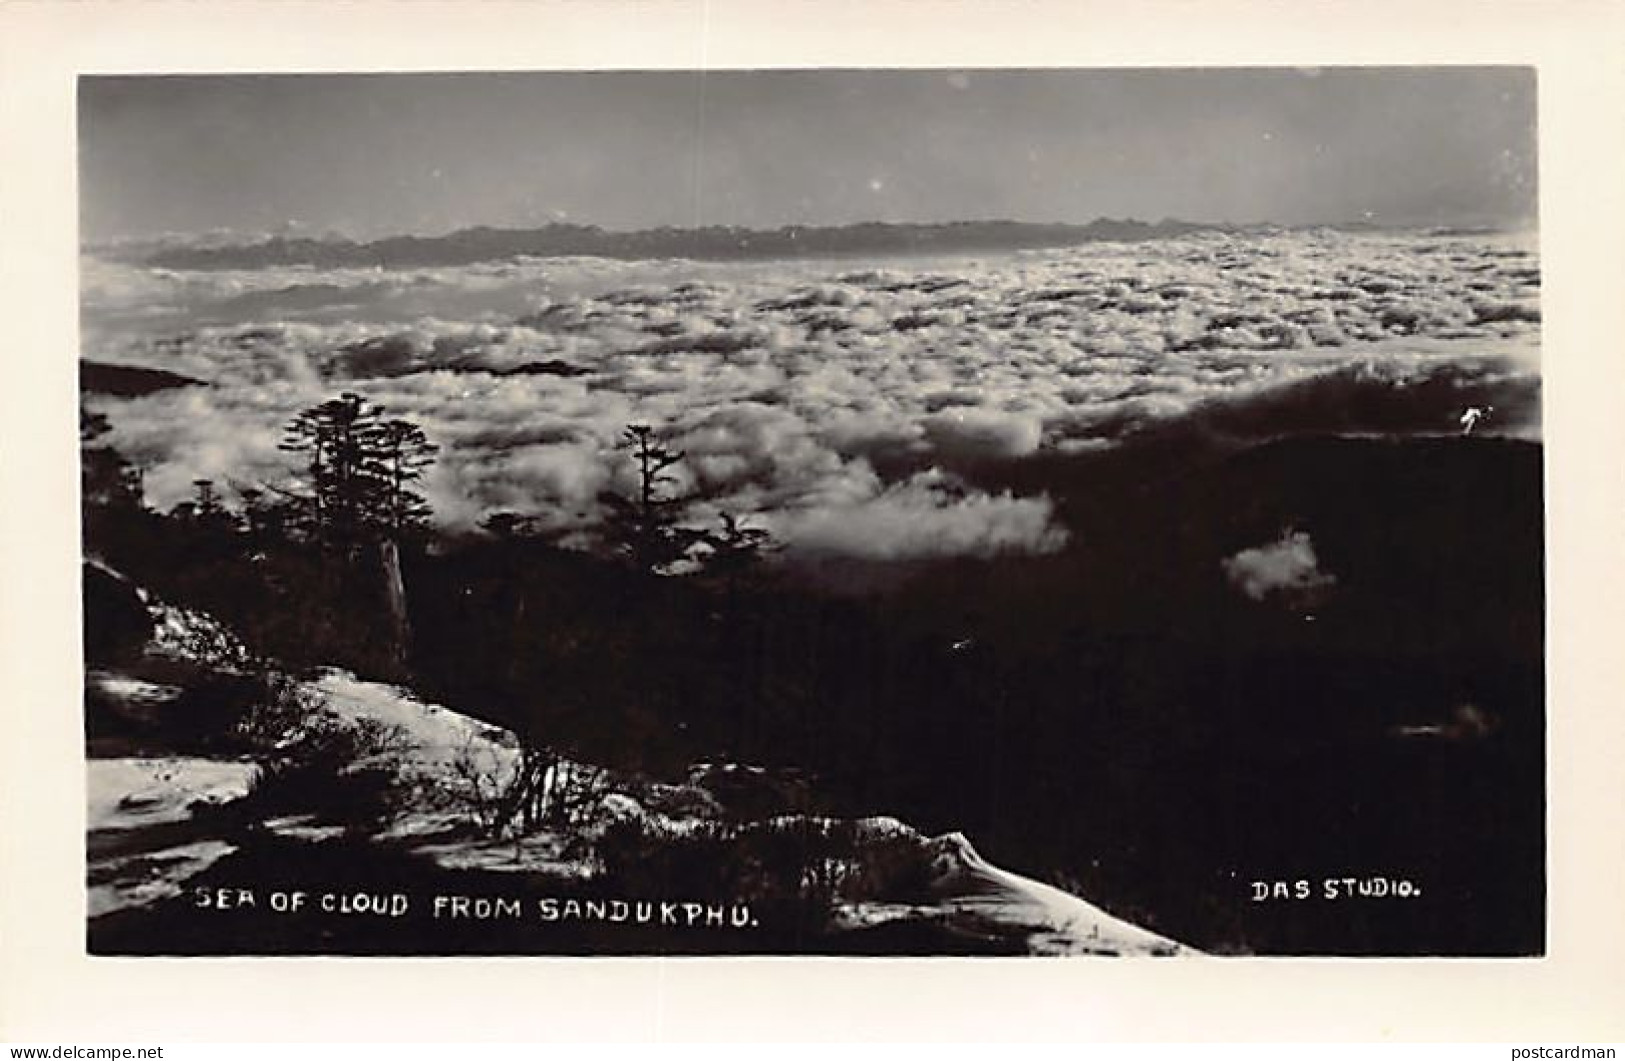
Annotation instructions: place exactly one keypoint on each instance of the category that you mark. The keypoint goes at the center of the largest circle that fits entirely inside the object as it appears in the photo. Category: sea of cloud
(829, 401)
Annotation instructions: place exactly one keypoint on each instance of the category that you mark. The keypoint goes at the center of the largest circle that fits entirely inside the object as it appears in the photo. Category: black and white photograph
(813, 512)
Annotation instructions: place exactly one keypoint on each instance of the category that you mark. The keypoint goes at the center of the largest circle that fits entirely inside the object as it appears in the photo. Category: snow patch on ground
(150, 876)
(972, 893)
(134, 793)
(544, 853)
(436, 737)
(134, 690)
(1063, 923)
(139, 851)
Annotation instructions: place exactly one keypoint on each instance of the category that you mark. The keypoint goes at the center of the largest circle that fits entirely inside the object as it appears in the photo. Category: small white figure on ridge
(1472, 416)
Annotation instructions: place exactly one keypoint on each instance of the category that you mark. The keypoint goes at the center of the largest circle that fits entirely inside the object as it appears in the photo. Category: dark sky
(376, 154)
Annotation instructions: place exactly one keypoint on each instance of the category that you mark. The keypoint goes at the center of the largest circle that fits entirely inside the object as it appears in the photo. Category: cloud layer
(832, 402)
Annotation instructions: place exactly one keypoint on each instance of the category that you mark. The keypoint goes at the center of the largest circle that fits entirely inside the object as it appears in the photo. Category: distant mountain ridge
(713, 243)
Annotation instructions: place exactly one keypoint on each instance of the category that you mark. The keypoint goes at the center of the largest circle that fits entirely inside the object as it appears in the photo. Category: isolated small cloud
(1286, 569)
(927, 516)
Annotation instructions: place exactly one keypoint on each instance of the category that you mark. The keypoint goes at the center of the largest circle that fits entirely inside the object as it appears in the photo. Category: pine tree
(332, 434)
(403, 454)
(362, 469)
(644, 528)
(205, 510)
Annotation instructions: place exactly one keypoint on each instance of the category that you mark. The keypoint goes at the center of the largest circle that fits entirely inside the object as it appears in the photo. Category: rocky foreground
(209, 835)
